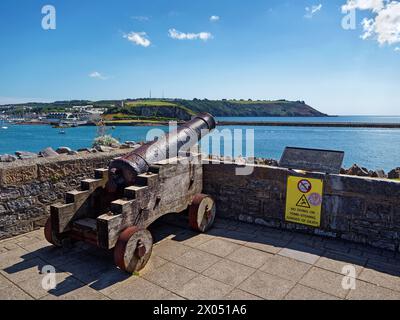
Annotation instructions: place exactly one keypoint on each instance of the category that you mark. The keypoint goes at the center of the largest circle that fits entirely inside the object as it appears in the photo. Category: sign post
(304, 201)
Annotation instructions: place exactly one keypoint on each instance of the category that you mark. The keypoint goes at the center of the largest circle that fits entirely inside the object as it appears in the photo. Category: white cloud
(311, 11)
(214, 18)
(384, 27)
(97, 75)
(397, 49)
(374, 5)
(138, 38)
(175, 34)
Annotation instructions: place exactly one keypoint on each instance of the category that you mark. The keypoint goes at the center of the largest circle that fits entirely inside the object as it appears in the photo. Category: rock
(381, 174)
(63, 150)
(115, 145)
(84, 150)
(23, 155)
(343, 171)
(7, 158)
(271, 162)
(130, 143)
(73, 153)
(124, 146)
(104, 149)
(240, 161)
(394, 174)
(250, 159)
(48, 153)
(355, 170)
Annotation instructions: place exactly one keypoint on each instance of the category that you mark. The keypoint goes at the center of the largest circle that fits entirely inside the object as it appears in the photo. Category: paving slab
(229, 272)
(14, 293)
(300, 292)
(154, 263)
(24, 270)
(203, 288)
(286, 268)
(65, 283)
(139, 289)
(192, 239)
(267, 244)
(238, 294)
(83, 293)
(303, 254)
(110, 281)
(4, 282)
(267, 286)
(170, 276)
(325, 281)
(169, 249)
(197, 260)
(368, 291)
(381, 279)
(12, 257)
(336, 262)
(219, 247)
(249, 257)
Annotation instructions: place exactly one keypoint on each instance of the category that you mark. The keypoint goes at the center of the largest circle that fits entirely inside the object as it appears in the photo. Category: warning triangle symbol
(303, 202)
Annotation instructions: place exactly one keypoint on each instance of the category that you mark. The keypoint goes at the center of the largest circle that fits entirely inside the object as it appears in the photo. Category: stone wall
(28, 187)
(363, 210)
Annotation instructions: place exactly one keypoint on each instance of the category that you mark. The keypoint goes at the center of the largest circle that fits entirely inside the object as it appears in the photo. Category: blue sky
(255, 49)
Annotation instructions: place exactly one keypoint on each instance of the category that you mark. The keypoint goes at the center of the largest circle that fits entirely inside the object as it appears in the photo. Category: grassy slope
(153, 109)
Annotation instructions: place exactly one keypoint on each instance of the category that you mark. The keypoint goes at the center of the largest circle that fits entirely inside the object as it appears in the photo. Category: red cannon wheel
(202, 212)
(133, 249)
(50, 235)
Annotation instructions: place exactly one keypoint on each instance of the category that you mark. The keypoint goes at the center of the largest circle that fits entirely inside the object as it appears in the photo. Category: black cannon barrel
(124, 170)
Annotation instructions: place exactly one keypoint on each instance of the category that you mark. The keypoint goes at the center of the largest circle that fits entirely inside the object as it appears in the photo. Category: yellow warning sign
(304, 201)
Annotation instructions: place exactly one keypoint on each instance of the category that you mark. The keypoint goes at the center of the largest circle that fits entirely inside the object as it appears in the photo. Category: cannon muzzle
(123, 171)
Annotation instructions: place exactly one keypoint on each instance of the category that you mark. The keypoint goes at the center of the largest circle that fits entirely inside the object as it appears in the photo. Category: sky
(215, 49)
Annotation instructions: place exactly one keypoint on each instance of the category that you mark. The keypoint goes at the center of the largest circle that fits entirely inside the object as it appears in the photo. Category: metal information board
(316, 160)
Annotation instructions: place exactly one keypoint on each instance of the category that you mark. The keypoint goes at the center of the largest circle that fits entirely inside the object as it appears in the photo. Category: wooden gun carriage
(111, 213)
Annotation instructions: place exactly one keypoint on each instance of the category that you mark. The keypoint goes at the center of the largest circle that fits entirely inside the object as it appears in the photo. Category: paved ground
(233, 261)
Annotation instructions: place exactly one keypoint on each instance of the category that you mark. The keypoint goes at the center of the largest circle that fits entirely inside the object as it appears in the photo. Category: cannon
(114, 209)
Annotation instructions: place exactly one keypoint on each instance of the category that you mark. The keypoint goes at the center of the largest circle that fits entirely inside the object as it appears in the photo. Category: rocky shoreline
(51, 153)
(354, 170)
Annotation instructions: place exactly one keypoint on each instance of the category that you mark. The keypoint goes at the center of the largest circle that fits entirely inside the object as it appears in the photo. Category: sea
(372, 148)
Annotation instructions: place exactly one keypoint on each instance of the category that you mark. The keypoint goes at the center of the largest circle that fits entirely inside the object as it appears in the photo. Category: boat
(5, 128)
(62, 132)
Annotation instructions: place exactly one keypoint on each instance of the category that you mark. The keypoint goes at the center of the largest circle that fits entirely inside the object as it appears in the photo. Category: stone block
(17, 175)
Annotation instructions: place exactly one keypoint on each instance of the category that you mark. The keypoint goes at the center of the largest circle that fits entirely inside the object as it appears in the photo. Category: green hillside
(165, 109)
(184, 109)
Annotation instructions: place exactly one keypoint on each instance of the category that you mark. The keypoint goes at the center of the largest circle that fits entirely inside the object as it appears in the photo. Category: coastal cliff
(169, 109)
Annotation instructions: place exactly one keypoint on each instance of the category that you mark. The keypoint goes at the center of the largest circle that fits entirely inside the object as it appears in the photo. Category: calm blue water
(372, 148)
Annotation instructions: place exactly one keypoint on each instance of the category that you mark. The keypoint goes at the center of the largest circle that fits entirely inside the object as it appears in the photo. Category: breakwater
(311, 124)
